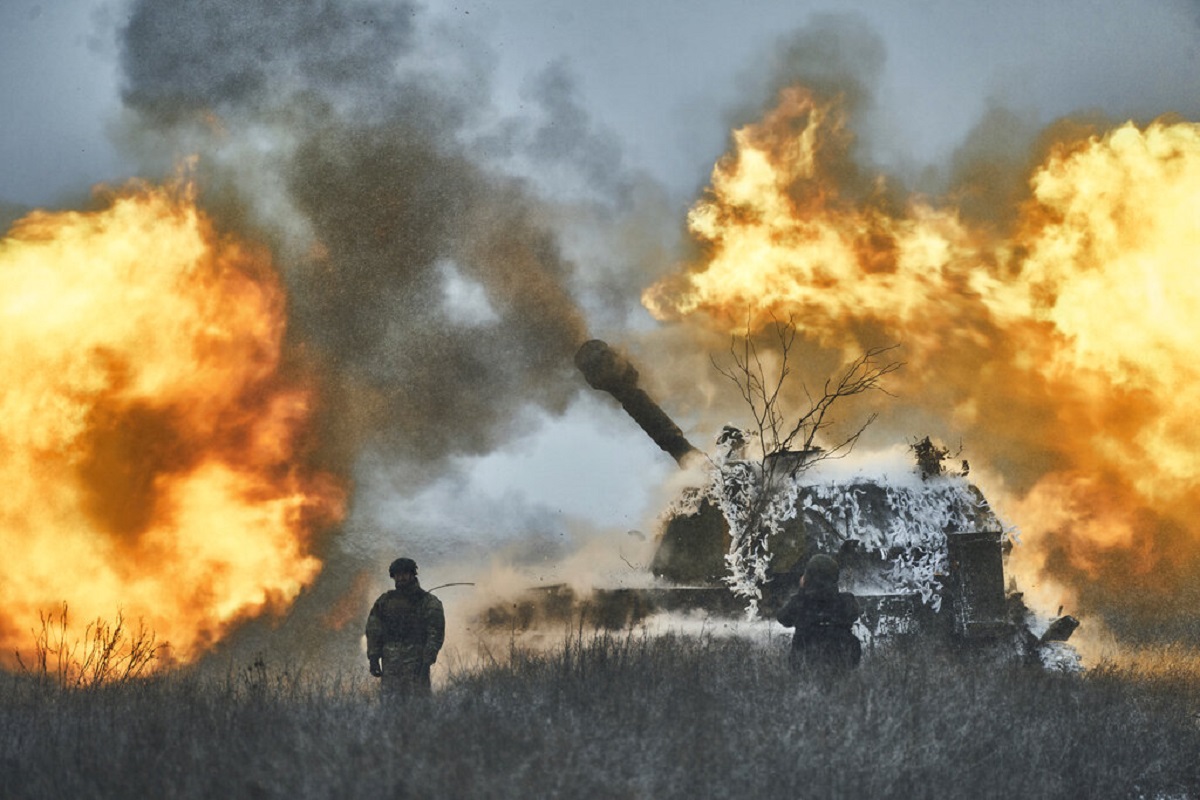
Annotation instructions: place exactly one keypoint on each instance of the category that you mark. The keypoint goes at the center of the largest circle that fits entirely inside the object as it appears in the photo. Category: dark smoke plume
(366, 154)
(231, 56)
(425, 288)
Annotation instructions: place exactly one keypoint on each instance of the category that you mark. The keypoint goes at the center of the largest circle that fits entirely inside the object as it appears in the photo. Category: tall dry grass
(616, 716)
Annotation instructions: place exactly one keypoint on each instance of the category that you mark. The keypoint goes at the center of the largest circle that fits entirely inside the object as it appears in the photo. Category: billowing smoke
(425, 289)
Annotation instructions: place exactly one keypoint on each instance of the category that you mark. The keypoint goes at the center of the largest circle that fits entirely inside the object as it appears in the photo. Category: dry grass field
(616, 717)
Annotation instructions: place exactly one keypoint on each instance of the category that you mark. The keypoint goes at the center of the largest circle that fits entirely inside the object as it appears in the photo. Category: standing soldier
(405, 631)
(823, 618)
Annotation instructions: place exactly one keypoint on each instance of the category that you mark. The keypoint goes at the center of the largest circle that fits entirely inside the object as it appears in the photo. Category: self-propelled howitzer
(924, 555)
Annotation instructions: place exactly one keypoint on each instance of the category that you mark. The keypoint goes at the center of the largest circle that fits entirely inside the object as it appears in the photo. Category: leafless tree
(789, 442)
(779, 433)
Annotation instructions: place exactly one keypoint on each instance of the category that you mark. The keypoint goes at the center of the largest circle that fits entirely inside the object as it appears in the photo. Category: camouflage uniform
(405, 630)
(823, 618)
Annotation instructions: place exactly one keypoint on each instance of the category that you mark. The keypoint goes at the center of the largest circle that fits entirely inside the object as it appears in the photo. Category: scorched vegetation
(615, 716)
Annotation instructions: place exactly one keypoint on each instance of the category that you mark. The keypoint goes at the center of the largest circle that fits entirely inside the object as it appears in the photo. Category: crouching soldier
(823, 618)
(405, 631)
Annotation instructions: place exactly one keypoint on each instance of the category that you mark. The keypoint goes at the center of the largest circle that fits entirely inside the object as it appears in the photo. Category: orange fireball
(1060, 347)
(151, 446)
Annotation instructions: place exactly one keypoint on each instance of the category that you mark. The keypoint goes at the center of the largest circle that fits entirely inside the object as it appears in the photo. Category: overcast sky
(662, 76)
(661, 83)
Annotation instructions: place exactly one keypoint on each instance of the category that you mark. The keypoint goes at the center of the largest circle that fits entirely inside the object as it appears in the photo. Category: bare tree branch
(106, 653)
(787, 445)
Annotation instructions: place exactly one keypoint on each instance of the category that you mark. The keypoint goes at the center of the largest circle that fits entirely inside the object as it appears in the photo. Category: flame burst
(149, 441)
(1061, 347)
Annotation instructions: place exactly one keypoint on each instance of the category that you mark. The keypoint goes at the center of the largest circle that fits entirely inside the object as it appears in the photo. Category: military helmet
(821, 572)
(402, 565)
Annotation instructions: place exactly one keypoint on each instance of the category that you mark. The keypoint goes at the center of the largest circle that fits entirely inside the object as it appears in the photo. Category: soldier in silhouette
(823, 618)
(405, 631)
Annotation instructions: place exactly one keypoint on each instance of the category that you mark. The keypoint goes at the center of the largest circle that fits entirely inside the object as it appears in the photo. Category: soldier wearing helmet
(405, 631)
(823, 618)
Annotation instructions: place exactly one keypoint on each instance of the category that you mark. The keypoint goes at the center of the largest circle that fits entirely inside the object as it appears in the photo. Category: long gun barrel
(608, 371)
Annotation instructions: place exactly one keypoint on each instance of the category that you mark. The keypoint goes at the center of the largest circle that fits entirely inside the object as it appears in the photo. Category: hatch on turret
(976, 584)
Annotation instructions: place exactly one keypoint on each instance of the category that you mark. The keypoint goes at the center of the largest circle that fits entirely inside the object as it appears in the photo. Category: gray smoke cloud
(427, 289)
(235, 56)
